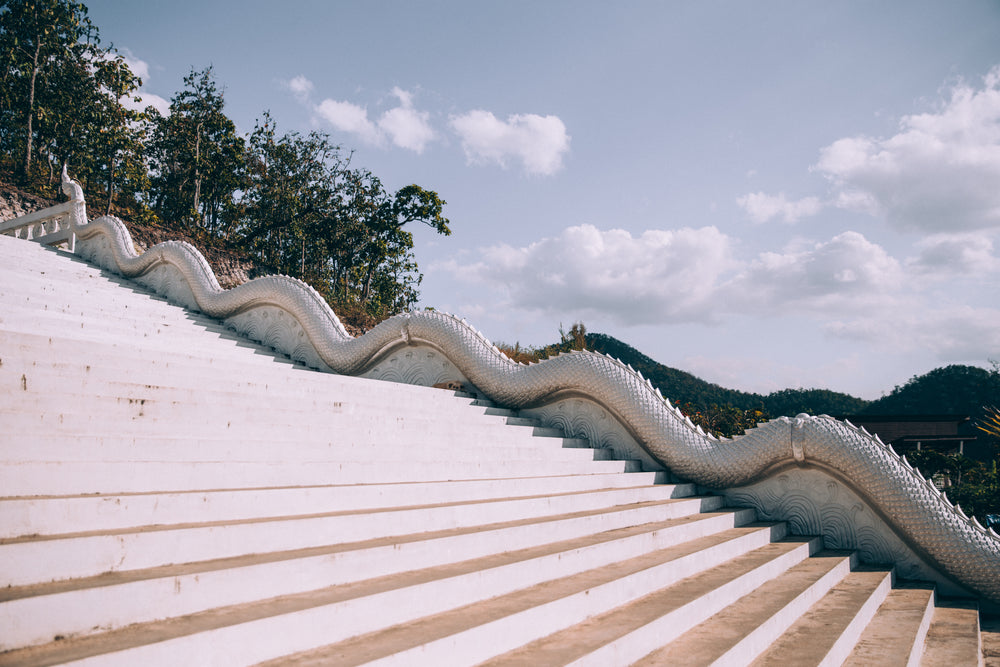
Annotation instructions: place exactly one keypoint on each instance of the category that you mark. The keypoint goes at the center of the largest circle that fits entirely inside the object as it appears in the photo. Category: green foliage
(943, 391)
(685, 389)
(974, 485)
(790, 402)
(305, 212)
(723, 421)
(576, 339)
(49, 52)
(195, 156)
(292, 202)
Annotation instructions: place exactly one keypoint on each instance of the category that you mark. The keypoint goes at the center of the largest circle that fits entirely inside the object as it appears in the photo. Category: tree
(49, 47)
(196, 157)
(388, 246)
(116, 133)
(289, 192)
(305, 212)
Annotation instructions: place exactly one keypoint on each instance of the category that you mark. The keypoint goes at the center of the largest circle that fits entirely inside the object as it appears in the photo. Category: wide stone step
(38, 386)
(827, 633)
(276, 627)
(48, 515)
(897, 633)
(109, 413)
(953, 636)
(469, 573)
(31, 355)
(483, 631)
(747, 627)
(38, 560)
(33, 478)
(141, 404)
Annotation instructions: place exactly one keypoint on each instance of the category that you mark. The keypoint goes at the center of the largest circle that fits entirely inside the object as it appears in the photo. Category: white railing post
(54, 225)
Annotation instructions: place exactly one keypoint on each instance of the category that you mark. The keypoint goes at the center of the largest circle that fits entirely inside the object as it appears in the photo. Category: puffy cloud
(403, 125)
(347, 117)
(848, 273)
(762, 207)
(947, 255)
(301, 87)
(938, 173)
(140, 68)
(539, 142)
(658, 276)
(952, 334)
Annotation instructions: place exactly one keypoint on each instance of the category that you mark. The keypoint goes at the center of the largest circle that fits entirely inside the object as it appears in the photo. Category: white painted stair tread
(826, 634)
(50, 515)
(744, 629)
(119, 598)
(953, 638)
(482, 631)
(897, 634)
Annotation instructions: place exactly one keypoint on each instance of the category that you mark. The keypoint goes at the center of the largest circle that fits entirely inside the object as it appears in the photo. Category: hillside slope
(684, 388)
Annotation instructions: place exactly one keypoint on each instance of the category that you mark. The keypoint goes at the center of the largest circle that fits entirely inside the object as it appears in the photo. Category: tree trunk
(31, 111)
(111, 185)
(197, 169)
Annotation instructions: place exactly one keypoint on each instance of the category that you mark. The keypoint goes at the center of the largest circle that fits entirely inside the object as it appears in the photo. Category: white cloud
(848, 273)
(939, 173)
(762, 207)
(140, 68)
(947, 255)
(539, 142)
(347, 117)
(658, 276)
(403, 125)
(148, 100)
(301, 87)
(953, 334)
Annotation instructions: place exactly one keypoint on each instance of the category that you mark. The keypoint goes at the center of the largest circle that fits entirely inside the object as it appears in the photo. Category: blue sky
(765, 194)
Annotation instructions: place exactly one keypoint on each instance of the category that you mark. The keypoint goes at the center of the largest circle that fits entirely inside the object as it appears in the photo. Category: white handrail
(54, 225)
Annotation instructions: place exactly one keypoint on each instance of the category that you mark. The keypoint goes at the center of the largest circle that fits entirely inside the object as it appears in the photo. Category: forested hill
(683, 388)
(952, 390)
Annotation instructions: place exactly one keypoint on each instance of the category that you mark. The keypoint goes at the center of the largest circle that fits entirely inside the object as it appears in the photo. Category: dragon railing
(822, 475)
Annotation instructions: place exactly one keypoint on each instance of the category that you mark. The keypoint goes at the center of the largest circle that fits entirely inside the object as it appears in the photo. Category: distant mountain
(681, 387)
(952, 390)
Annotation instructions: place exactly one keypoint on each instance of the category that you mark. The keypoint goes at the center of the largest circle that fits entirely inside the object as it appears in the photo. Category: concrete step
(40, 356)
(953, 637)
(483, 631)
(897, 633)
(747, 627)
(49, 436)
(33, 478)
(151, 595)
(140, 446)
(277, 627)
(828, 632)
(38, 560)
(989, 635)
(24, 412)
(50, 515)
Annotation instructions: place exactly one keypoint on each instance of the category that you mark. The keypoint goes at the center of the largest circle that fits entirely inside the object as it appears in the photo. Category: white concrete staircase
(171, 494)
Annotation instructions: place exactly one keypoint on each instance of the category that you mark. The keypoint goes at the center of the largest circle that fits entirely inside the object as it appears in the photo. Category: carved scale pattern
(815, 503)
(911, 506)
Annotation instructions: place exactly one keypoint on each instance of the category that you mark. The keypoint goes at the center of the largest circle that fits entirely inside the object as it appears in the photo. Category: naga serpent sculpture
(920, 515)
